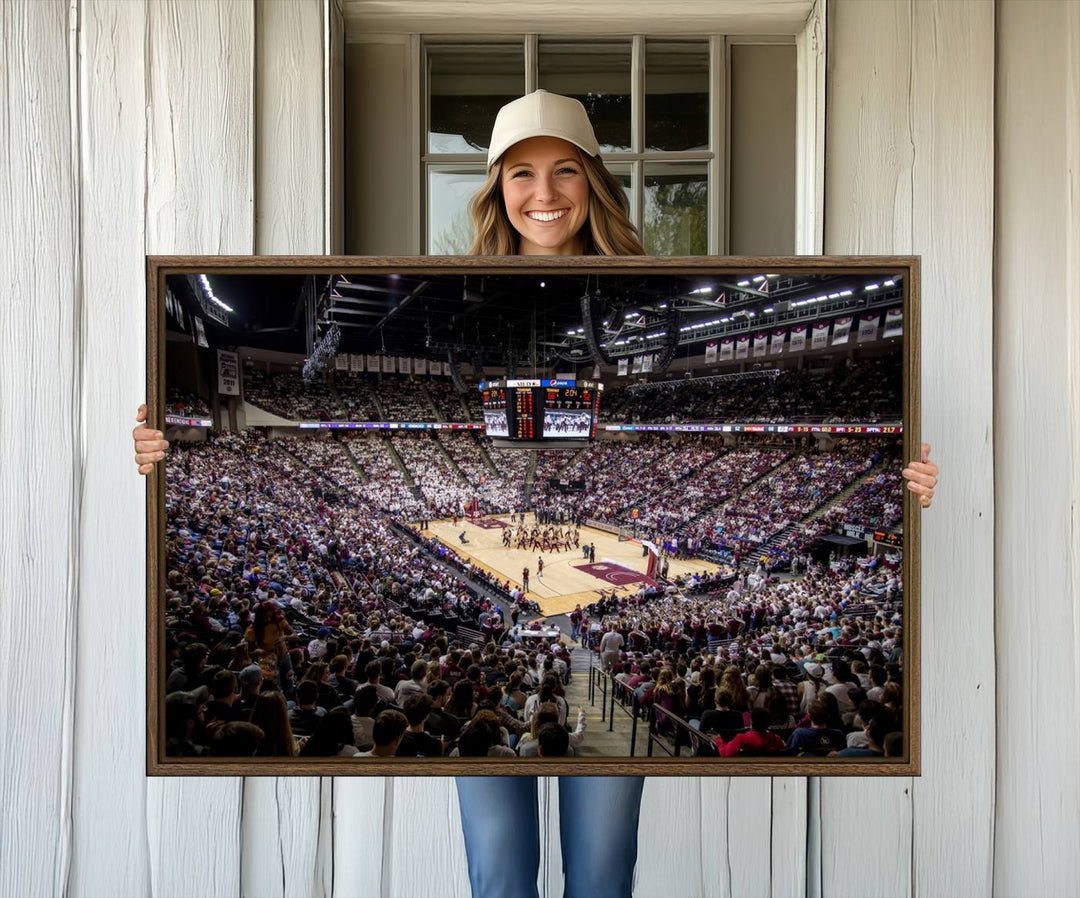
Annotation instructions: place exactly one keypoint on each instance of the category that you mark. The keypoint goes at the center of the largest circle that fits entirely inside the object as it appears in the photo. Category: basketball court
(568, 579)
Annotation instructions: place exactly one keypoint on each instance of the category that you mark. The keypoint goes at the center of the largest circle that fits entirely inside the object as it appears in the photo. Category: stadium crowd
(185, 403)
(865, 391)
(279, 599)
(804, 666)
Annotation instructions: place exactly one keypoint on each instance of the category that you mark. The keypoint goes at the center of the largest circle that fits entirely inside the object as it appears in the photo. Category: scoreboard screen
(568, 413)
(541, 410)
(496, 421)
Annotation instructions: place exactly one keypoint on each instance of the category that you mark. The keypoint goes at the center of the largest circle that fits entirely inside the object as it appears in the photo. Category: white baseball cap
(541, 114)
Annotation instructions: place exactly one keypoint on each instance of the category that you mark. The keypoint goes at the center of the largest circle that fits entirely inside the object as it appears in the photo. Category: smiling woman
(544, 160)
(546, 196)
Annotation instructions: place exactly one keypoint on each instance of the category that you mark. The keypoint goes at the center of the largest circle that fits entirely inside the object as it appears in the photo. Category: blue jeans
(598, 822)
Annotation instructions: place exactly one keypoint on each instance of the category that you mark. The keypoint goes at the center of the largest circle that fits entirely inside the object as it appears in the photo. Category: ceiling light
(744, 283)
(890, 283)
(210, 293)
(871, 287)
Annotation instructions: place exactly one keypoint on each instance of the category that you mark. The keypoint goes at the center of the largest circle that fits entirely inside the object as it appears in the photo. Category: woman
(762, 684)
(701, 696)
(846, 689)
(732, 681)
(267, 633)
(667, 695)
(514, 699)
(319, 674)
(548, 712)
(549, 692)
(333, 737)
(547, 193)
(271, 715)
(462, 702)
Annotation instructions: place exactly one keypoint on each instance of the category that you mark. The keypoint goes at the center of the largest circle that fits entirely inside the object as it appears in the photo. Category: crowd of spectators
(288, 395)
(404, 399)
(786, 496)
(386, 487)
(268, 585)
(444, 492)
(449, 402)
(185, 403)
(865, 391)
(279, 600)
(805, 666)
(355, 396)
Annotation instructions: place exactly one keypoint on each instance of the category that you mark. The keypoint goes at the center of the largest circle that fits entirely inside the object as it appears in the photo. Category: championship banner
(820, 338)
(389, 363)
(742, 347)
(777, 346)
(868, 326)
(442, 369)
(894, 323)
(636, 367)
(797, 341)
(356, 363)
(228, 373)
(200, 332)
(727, 349)
(622, 367)
(419, 366)
(596, 372)
(761, 345)
(404, 364)
(373, 363)
(710, 353)
(646, 364)
(341, 362)
(840, 330)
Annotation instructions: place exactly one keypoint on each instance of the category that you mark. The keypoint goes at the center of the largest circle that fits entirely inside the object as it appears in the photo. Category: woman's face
(546, 195)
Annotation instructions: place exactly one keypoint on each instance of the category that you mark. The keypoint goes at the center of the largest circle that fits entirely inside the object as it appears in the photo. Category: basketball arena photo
(510, 515)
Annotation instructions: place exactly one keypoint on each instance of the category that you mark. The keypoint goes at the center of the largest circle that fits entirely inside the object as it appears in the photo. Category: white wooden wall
(196, 127)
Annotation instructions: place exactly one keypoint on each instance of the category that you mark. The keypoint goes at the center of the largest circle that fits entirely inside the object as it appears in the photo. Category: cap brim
(495, 153)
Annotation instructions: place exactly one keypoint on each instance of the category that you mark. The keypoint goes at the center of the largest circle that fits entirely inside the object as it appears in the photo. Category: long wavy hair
(607, 231)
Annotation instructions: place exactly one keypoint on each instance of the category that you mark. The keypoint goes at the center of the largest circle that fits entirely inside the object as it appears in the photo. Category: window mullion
(637, 129)
(717, 185)
(532, 62)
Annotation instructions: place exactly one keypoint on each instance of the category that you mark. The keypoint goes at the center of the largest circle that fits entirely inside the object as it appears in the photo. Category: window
(659, 108)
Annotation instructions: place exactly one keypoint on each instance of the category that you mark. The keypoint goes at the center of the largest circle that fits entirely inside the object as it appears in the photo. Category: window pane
(597, 74)
(624, 176)
(676, 95)
(466, 87)
(449, 191)
(676, 209)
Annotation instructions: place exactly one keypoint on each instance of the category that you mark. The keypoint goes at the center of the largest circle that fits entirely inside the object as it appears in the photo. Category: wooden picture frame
(732, 315)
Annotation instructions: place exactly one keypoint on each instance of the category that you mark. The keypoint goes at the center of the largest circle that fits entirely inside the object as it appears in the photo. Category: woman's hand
(922, 477)
(150, 445)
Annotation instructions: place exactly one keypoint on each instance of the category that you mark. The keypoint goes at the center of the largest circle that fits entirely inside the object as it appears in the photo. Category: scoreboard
(541, 410)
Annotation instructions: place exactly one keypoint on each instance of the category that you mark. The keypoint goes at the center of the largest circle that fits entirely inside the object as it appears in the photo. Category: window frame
(810, 123)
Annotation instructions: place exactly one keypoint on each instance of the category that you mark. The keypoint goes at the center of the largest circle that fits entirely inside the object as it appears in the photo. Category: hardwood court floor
(563, 585)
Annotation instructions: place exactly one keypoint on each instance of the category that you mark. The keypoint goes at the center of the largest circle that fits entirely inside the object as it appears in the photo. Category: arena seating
(317, 525)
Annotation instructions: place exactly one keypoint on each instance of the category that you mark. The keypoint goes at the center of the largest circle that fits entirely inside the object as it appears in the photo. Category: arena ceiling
(531, 317)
